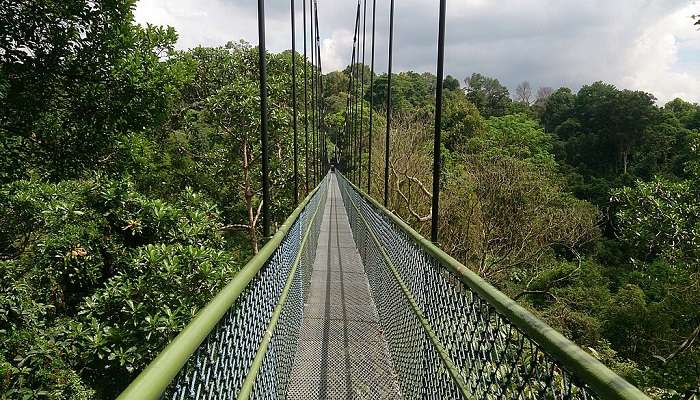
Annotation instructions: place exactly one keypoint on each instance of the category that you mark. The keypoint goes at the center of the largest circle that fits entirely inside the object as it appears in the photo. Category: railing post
(438, 122)
(263, 119)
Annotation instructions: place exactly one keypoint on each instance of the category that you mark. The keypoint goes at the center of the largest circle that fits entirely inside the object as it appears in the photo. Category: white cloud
(646, 45)
(335, 50)
(652, 61)
(201, 22)
(215, 22)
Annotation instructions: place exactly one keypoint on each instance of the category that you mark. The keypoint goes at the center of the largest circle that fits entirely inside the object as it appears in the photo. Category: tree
(633, 114)
(543, 94)
(75, 252)
(662, 218)
(660, 221)
(460, 120)
(601, 126)
(688, 114)
(523, 93)
(557, 108)
(514, 136)
(220, 134)
(505, 215)
(410, 91)
(450, 83)
(487, 94)
(336, 83)
(409, 180)
(65, 60)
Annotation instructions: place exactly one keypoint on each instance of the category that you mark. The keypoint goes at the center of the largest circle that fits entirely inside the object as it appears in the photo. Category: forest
(130, 195)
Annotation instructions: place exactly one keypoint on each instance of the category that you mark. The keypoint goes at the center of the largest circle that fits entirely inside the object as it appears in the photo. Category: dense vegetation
(129, 189)
(129, 194)
(583, 206)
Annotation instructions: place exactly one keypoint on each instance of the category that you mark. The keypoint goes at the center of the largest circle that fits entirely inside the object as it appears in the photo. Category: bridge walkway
(342, 353)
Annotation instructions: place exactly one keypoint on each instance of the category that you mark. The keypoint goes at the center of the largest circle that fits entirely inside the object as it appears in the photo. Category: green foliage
(662, 218)
(688, 114)
(70, 59)
(460, 120)
(514, 136)
(84, 286)
(451, 83)
(129, 196)
(128, 322)
(409, 91)
(34, 355)
(507, 214)
(515, 208)
(557, 109)
(487, 94)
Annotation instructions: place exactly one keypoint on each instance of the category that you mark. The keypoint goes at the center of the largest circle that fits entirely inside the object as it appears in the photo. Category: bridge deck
(342, 353)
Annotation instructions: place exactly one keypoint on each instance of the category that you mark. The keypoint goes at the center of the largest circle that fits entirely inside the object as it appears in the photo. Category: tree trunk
(248, 195)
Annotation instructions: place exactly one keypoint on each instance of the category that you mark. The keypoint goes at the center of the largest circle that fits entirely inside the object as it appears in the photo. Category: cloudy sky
(649, 45)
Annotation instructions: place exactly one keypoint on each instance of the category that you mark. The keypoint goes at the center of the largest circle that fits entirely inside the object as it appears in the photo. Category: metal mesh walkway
(342, 352)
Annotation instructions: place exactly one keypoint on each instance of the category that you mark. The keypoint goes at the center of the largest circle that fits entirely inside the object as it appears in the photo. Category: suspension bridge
(346, 301)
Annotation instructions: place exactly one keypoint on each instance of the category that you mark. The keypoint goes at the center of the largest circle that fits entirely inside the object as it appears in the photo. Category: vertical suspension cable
(351, 150)
(346, 127)
(353, 120)
(322, 136)
(355, 90)
(438, 125)
(351, 94)
(263, 119)
(315, 90)
(371, 101)
(347, 149)
(344, 143)
(313, 96)
(319, 97)
(362, 90)
(316, 136)
(306, 101)
(294, 107)
(388, 106)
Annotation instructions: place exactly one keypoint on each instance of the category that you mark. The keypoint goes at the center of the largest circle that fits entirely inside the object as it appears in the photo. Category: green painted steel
(444, 355)
(152, 382)
(249, 383)
(592, 372)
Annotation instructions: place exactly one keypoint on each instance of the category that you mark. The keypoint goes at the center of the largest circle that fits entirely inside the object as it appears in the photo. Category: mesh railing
(453, 336)
(242, 344)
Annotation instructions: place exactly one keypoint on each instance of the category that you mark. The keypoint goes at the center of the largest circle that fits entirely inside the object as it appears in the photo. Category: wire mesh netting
(492, 359)
(222, 362)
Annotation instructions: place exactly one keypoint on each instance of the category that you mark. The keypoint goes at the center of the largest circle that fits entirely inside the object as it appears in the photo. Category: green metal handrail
(152, 382)
(585, 367)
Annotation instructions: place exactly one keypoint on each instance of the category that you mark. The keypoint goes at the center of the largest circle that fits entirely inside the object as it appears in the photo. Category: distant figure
(333, 168)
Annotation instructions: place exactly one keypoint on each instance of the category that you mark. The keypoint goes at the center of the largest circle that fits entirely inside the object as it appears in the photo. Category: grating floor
(342, 353)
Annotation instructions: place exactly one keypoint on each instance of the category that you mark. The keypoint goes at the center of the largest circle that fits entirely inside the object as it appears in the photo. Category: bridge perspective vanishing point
(346, 301)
